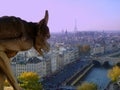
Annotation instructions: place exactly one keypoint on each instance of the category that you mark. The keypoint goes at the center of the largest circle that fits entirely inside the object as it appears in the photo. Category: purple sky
(89, 14)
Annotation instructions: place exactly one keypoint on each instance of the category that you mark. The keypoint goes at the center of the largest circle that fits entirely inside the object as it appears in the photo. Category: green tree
(114, 73)
(87, 86)
(30, 81)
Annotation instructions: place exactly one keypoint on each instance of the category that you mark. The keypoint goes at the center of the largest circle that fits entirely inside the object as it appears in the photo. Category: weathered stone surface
(8, 88)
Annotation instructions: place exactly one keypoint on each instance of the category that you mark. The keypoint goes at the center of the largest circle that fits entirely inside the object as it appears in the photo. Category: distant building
(98, 49)
(51, 62)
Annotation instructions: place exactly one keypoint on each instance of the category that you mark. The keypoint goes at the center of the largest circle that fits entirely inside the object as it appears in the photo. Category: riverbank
(86, 70)
(97, 75)
(79, 74)
(58, 79)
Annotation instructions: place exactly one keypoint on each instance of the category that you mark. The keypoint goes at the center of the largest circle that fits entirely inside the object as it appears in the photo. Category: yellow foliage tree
(30, 81)
(6, 83)
(114, 73)
(86, 48)
(87, 86)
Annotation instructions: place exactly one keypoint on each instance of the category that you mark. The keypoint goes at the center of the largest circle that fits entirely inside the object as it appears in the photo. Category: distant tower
(66, 32)
(75, 30)
(75, 27)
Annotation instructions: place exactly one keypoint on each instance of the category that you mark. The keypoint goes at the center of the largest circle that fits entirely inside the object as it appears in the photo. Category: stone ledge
(8, 88)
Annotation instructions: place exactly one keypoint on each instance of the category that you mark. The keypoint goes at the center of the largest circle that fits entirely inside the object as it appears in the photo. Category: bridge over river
(102, 60)
(108, 58)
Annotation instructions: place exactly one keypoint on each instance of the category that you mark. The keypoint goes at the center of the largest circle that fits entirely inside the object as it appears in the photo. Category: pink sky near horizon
(89, 14)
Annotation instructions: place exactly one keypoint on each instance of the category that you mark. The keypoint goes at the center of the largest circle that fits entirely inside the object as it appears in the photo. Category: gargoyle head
(43, 35)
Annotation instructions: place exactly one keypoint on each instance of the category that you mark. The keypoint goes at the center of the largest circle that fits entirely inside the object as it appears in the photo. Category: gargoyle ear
(46, 17)
(44, 21)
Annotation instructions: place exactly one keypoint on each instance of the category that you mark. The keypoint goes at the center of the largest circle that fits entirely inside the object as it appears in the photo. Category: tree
(30, 81)
(87, 86)
(83, 50)
(86, 49)
(114, 73)
(6, 83)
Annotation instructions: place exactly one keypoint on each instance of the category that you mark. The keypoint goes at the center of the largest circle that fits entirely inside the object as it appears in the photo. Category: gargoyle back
(11, 27)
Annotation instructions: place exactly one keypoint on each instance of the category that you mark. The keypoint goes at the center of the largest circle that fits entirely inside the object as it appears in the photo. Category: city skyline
(87, 14)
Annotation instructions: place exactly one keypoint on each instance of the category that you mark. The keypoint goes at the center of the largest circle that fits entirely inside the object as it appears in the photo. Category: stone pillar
(2, 79)
(6, 68)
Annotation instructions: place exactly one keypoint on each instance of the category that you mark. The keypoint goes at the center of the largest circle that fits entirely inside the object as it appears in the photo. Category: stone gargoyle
(19, 35)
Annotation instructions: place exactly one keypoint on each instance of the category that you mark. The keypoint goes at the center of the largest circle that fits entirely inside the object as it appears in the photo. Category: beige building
(54, 65)
(97, 50)
(40, 66)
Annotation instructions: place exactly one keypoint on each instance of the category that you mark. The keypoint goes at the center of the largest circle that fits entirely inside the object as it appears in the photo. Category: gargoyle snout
(48, 36)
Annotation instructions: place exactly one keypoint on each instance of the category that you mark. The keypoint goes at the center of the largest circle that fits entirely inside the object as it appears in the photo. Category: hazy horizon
(65, 14)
